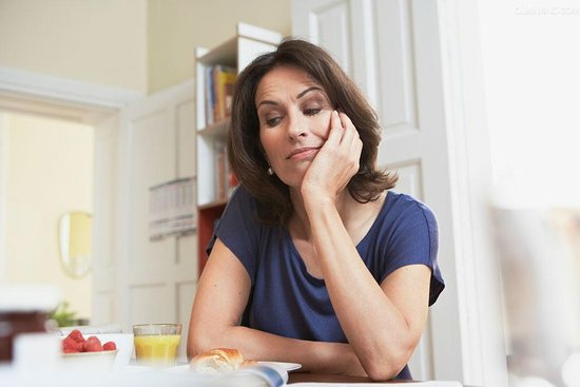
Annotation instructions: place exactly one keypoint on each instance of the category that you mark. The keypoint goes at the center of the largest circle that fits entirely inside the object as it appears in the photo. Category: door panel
(151, 303)
(153, 162)
(151, 280)
(396, 78)
(185, 292)
(104, 268)
(392, 53)
(410, 180)
(331, 26)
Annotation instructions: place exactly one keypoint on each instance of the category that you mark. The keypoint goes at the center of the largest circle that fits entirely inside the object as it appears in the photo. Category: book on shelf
(225, 178)
(219, 87)
(220, 168)
(208, 95)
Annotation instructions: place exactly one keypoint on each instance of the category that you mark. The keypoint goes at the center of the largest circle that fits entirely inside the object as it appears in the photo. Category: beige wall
(50, 172)
(98, 41)
(177, 27)
(143, 45)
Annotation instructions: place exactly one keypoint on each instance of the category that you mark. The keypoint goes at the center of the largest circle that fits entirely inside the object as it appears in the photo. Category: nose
(297, 126)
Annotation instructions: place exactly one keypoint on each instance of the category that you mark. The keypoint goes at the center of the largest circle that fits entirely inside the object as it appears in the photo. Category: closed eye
(271, 122)
(312, 112)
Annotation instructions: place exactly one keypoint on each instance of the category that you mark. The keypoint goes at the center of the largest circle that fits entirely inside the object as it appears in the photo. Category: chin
(294, 178)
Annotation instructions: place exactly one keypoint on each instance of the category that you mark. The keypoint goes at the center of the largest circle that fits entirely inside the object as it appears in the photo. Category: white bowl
(89, 362)
(124, 343)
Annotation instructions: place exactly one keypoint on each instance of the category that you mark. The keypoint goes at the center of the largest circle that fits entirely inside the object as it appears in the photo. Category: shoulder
(239, 230)
(240, 213)
(400, 204)
(241, 200)
(413, 237)
(241, 194)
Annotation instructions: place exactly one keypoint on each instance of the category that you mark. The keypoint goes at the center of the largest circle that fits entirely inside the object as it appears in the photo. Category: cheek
(321, 124)
(268, 145)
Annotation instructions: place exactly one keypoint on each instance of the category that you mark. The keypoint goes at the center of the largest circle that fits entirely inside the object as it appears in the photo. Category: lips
(301, 151)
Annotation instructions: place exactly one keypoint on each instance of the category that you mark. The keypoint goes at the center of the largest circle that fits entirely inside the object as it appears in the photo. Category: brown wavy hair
(245, 150)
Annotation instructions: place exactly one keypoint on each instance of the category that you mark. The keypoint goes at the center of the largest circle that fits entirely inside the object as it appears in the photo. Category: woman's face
(294, 114)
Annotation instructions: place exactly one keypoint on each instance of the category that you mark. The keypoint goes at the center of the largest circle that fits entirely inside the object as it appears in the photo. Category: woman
(314, 261)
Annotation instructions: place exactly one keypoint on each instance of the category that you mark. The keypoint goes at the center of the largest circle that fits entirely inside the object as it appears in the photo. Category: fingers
(336, 130)
(344, 141)
(350, 134)
(341, 125)
(351, 140)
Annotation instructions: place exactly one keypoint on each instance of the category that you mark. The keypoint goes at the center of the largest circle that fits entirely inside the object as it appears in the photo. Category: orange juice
(156, 349)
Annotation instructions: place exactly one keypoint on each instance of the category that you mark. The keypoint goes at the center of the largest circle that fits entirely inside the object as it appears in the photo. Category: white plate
(185, 369)
(137, 368)
(287, 366)
(180, 369)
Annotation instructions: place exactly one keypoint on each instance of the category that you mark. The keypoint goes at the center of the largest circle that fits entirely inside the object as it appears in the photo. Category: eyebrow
(308, 90)
(300, 95)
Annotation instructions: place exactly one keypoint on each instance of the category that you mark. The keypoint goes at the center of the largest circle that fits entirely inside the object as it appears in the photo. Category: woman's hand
(337, 161)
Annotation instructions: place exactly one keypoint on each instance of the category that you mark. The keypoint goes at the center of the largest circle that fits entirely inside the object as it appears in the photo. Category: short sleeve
(414, 239)
(239, 230)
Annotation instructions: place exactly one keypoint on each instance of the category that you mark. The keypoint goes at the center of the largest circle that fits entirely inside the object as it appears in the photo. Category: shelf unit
(249, 42)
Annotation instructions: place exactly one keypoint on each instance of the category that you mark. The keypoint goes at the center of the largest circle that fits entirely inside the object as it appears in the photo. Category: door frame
(3, 161)
(477, 271)
(54, 97)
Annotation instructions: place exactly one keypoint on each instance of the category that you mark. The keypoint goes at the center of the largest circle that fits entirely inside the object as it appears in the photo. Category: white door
(138, 280)
(391, 49)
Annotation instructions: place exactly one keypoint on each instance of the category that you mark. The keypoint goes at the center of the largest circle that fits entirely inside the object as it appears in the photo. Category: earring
(270, 171)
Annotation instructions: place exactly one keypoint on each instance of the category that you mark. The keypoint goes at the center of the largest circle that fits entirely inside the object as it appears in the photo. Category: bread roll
(217, 360)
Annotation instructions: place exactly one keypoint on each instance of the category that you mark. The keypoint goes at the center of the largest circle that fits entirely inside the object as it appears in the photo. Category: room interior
(144, 35)
(524, 55)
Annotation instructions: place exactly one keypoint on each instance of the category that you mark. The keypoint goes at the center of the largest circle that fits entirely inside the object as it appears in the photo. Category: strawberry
(93, 344)
(69, 345)
(76, 335)
(109, 346)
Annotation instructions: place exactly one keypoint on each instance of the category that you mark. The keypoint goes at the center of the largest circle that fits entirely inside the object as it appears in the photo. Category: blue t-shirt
(286, 300)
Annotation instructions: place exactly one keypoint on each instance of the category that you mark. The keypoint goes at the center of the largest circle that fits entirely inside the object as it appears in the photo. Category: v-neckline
(317, 280)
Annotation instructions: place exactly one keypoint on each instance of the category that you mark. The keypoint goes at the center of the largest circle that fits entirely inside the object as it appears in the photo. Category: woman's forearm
(221, 297)
(378, 331)
(321, 357)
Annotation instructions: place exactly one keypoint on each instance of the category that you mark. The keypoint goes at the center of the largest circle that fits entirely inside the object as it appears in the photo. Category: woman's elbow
(381, 370)
(193, 347)
(382, 373)
(197, 343)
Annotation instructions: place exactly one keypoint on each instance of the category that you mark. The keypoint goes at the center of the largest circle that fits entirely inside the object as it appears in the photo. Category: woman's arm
(221, 298)
(383, 323)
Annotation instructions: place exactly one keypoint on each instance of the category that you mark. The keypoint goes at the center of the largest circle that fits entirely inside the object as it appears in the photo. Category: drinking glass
(156, 344)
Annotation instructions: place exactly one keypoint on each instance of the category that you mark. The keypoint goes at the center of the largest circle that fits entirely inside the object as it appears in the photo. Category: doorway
(47, 171)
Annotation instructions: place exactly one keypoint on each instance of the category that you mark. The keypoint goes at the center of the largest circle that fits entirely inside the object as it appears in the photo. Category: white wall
(49, 172)
(531, 61)
(532, 83)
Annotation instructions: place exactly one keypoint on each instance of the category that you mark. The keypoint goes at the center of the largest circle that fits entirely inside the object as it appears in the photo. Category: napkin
(92, 330)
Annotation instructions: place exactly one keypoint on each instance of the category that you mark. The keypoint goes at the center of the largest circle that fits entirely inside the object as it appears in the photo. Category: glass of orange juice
(156, 344)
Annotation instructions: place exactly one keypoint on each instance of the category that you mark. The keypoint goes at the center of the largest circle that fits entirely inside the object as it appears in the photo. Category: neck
(300, 219)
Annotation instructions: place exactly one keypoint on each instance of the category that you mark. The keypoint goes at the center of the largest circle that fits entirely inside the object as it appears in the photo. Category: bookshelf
(213, 177)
